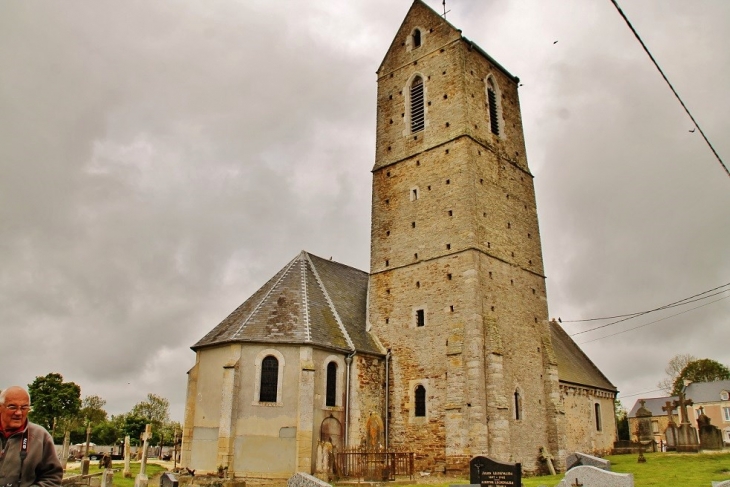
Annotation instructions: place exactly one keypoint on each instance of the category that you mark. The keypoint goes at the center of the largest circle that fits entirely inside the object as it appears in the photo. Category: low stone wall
(300, 479)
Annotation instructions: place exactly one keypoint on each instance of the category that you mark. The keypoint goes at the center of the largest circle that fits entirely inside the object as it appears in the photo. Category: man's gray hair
(5, 391)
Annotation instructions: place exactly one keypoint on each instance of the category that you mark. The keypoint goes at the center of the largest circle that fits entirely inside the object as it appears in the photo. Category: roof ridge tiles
(330, 303)
(265, 297)
(305, 295)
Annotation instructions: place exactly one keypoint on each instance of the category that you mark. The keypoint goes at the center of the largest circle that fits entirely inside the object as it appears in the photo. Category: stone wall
(581, 429)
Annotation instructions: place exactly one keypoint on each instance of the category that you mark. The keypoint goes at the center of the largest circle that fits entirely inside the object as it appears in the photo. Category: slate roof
(310, 301)
(707, 391)
(574, 366)
(654, 404)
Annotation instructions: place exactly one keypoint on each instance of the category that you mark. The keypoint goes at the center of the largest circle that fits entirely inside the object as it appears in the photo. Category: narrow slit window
(416, 38)
(331, 399)
(518, 406)
(420, 401)
(269, 379)
(417, 108)
(420, 317)
(598, 417)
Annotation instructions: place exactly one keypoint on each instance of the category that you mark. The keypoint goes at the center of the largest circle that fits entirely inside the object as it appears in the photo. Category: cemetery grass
(660, 469)
(153, 470)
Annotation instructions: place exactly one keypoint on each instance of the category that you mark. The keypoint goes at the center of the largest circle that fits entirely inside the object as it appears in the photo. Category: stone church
(445, 347)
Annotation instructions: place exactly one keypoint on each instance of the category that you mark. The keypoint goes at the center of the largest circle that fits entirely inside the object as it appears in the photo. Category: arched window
(269, 379)
(420, 401)
(518, 406)
(331, 396)
(417, 105)
(416, 38)
(598, 417)
(493, 101)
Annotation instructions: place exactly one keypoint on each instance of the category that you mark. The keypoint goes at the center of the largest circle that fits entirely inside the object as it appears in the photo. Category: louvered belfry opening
(493, 120)
(417, 105)
(269, 379)
(331, 399)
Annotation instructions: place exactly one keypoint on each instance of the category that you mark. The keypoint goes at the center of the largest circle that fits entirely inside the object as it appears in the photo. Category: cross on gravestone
(576, 483)
(682, 404)
(668, 408)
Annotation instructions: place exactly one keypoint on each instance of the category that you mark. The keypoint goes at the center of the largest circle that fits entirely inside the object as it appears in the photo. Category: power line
(629, 316)
(652, 322)
(639, 393)
(646, 49)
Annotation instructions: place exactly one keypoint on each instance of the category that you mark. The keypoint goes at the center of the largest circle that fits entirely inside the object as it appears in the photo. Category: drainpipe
(348, 361)
(387, 398)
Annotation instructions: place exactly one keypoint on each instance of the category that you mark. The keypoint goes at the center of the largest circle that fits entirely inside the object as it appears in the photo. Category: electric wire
(629, 316)
(652, 322)
(639, 393)
(646, 49)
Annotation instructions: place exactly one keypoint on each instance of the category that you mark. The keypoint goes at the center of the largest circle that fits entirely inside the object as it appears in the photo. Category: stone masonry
(455, 234)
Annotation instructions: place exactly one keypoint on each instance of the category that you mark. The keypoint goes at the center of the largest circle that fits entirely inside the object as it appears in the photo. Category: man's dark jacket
(40, 466)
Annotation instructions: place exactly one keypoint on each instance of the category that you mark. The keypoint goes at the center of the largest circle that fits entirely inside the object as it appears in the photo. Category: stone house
(445, 347)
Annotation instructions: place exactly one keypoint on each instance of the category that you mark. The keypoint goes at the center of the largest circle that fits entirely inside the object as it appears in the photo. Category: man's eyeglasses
(22, 409)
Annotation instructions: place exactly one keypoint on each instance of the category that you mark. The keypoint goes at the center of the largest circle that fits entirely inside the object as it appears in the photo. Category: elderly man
(28, 456)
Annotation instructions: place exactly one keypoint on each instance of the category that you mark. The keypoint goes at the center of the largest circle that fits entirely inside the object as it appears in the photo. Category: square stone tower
(457, 290)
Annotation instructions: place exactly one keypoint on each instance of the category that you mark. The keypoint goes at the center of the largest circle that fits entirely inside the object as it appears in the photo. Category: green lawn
(119, 480)
(661, 469)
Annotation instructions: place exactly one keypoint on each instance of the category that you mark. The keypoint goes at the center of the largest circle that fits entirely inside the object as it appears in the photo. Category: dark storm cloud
(161, 162)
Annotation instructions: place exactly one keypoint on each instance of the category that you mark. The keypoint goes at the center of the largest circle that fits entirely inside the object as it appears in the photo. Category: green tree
(51, 398)
(703, 370)
(105, 433)
(156, 410)
(622, 421)
(673, 369)
(92, 409)
(134, 426)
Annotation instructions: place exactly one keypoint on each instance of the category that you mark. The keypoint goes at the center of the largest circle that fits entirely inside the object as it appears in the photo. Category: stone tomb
(577, 459)
(486, 472)
(710, 435)
(585, 476)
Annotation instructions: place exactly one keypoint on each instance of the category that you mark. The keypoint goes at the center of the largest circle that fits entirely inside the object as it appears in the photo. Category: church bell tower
(457, 287)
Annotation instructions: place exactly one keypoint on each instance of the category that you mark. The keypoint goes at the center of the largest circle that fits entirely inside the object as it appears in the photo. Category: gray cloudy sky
(161, 160)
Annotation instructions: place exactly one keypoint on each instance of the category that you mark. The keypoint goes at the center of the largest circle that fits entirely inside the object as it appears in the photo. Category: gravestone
(577, 459)
(168, 479)
(643, 416)
(671, 432)
(710, 435)
(585, 476)
(127, 471)
(488, 472)
(722, 483)
(687, 440)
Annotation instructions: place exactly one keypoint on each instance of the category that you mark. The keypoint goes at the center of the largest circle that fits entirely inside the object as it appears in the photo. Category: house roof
(701, 392)
(310, 301)
(654, 404)
(574, 366)
(698, 392)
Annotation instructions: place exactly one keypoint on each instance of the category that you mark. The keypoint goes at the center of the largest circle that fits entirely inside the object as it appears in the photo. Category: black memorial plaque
(487, 472)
